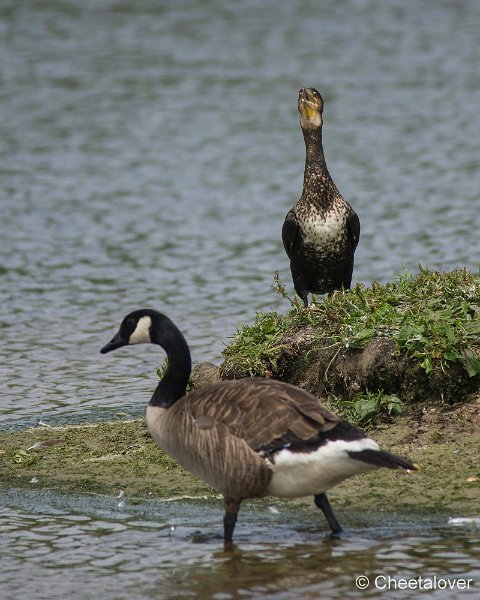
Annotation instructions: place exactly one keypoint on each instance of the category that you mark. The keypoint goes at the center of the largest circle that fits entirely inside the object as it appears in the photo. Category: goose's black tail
(382, 458)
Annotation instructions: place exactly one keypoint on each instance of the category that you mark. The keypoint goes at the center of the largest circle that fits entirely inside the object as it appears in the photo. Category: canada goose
(248, 438)
(321, 231)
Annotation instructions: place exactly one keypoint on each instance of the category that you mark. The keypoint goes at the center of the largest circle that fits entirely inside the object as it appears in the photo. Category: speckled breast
(325, 231)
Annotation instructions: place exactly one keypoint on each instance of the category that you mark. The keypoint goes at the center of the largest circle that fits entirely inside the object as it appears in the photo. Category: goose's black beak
(116, 342)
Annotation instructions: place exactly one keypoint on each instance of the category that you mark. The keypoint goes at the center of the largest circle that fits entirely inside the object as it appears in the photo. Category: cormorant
(321, 231)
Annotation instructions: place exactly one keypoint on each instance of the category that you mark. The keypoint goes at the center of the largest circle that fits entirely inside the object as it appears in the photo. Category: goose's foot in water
(323, 504)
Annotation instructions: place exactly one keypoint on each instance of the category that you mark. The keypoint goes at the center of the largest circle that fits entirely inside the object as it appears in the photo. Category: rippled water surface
(89, 548)
(148, 154)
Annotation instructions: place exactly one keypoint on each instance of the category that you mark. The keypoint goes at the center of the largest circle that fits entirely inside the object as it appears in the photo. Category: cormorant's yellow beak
(308, 104)
(309, 110)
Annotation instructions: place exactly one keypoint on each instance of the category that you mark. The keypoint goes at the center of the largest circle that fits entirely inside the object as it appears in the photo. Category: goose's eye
(130, 323)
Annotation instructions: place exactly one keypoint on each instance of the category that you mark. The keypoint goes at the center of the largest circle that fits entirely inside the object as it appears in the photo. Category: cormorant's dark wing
(353, 228)
(290, 232)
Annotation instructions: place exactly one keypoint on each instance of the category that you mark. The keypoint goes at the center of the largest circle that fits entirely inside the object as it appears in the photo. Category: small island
(401, 360)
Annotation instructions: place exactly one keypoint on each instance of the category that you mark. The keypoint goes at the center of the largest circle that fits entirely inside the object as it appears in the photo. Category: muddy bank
(324, 369)
(107, 458)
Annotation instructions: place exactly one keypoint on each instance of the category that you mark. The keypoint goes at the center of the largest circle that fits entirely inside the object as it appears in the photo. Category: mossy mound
(415, 340)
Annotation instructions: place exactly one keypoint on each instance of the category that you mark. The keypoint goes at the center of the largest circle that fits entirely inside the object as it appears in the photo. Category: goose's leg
(231, 511)
(323, 504)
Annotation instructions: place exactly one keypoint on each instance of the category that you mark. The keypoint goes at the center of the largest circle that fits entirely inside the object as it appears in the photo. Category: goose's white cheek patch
(141, 334)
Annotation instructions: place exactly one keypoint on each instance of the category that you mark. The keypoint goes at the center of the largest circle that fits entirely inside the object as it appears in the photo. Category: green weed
(257, 345)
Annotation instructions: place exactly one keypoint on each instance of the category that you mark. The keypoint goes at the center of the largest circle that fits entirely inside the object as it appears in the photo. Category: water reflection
(329, 567)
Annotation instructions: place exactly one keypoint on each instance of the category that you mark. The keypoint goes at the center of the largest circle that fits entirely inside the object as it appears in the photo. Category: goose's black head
(149, 326)
(310, 107)
(136, 328)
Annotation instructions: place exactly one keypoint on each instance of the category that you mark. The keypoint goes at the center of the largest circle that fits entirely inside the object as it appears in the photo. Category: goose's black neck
(173, 384)
(316, 178)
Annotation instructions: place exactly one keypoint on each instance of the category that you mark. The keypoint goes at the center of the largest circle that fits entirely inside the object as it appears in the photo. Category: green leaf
(427, 364)
(361, 338)
(20, 456)
(473, 326)
(365, 407)
(471, 361)
(450, 334)
(394, 405)
(451, 354)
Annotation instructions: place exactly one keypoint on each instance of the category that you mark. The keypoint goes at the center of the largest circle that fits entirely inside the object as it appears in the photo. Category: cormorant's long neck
(173, 384)
(316, 177)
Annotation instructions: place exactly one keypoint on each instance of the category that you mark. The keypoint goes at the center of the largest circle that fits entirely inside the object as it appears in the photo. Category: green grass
(257, 344)
(433, 317)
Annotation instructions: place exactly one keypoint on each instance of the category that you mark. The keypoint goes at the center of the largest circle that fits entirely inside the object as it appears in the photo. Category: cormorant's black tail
(382, 458)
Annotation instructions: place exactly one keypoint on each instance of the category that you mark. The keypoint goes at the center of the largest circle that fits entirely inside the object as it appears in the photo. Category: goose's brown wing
(265, 413)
